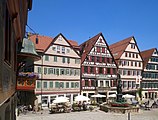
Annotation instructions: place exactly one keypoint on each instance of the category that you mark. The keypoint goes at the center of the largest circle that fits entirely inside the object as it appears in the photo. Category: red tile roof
(87, 46)
(146, 55)
(43, 42)
(73, 43)
(118, 48)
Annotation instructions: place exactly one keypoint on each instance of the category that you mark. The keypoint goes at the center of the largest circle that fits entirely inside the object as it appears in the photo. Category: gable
(131, 48)
(61, 40)
(60, 46)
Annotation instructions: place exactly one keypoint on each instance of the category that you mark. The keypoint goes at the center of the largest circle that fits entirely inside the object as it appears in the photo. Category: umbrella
(112, 96)
(81, 98)
(128, 96)
(98, 96)
(61, 100)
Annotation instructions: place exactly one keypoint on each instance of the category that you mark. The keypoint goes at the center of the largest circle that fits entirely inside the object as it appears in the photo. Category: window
(133, 55)
(46, 58)
(44, 84)
(67, 84)
(39, 70)
(124, 84)
(108, 70)
(133, 46)
(76, 85)
(72, 84)
(54, 48)
(61, 71)
(50, 84)
(55, 58)
(106, 83)
(77, 61)
(45, 70)
(103, 59)
(129, 72)
(125, 54)
(135, 64)
(100, 70)
(124, 72)
(68, 50)
(68, 60)
(98, 59)
(56, 84)
(92, 70)
(61, 84)
(63, 50)
(86, 83)
(38, 84)
(63, 59)
(67, 72)
(57, 71)
(108, 60)
(101, 84)
(50, 71)
(85, 69)
(136, 55)
(129, 54)
(93, 84)
(139, 64)
(93, 58)
(58, 49)
(131, 63)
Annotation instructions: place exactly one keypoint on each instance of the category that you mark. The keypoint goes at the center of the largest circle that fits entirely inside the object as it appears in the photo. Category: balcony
(26, 81)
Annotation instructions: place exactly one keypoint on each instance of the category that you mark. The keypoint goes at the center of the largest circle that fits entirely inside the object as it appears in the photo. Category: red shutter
(83, 83)
(103, 50)
(89, 82)
(94, 70)
(88, 69)
(105, 60)
(111, 71)
(98, 49)
(100, 59)
(82, 69)
(105, 71)
(90, 58)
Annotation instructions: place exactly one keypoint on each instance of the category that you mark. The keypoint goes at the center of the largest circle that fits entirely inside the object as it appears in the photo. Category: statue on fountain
(119, 88)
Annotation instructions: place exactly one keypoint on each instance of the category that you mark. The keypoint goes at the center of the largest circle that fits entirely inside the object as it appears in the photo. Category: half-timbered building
(129, 61)
(98, 67)
(149, 82)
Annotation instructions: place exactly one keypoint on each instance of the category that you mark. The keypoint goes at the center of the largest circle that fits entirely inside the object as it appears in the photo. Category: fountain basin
(123, 110)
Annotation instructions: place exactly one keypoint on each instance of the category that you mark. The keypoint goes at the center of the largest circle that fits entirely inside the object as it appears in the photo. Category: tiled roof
(43, 42)
(146, 55)
(73, 43)
(118, 48)
(87, 46)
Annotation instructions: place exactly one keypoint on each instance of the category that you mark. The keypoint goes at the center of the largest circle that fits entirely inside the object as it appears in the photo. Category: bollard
(129, 116)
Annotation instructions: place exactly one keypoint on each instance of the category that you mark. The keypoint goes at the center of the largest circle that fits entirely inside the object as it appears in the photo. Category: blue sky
(81, 19)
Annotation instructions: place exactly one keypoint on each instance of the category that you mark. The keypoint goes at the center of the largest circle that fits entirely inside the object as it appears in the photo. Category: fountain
(119, 105)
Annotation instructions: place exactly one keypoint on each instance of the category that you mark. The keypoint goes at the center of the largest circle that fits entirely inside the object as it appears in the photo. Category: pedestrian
(34, 109)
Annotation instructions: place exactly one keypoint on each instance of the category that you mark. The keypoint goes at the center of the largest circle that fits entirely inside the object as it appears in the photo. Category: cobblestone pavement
(87, 115)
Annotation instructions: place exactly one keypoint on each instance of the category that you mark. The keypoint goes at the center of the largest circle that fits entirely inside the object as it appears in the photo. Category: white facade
(59, 71)
(150, 77)
(130, 67)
